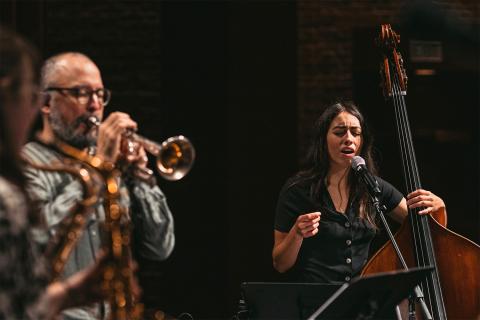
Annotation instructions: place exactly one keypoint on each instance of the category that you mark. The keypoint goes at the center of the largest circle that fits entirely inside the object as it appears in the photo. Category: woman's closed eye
(341, 133)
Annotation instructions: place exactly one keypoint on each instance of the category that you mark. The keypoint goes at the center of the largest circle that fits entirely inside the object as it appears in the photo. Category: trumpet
(174, 156)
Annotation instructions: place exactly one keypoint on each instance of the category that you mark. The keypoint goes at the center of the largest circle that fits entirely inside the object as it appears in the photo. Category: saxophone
(174, 159)
(118, 278)
(117, 274)
(71, 227)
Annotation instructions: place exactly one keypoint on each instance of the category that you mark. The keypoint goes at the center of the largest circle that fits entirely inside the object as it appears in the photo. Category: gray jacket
(55, 193)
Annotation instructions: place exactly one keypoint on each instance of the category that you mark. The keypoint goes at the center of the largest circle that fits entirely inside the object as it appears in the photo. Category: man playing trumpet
(74, 92)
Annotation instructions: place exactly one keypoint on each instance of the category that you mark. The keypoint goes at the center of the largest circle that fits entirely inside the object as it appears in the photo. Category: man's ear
(45, 109)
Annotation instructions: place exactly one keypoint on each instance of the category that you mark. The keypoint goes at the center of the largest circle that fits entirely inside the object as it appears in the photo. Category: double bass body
(458, 261)
(452, 290)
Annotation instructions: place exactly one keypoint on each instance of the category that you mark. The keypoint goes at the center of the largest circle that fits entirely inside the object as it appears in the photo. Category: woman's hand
(425, 199)
(307, 224)
(287, 245)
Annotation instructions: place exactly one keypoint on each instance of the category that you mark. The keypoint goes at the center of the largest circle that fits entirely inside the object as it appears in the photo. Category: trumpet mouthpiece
(92, 121)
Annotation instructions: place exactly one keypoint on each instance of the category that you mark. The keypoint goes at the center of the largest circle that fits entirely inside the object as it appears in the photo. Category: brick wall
(337, 59)
(223, 74)
(122, 37)
(170, 65)
(325, 46)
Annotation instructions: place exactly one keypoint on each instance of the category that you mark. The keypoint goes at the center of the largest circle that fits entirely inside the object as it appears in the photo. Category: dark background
(245, 81)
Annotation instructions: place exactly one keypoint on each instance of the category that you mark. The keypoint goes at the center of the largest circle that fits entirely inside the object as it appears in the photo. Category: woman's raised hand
(307, 224)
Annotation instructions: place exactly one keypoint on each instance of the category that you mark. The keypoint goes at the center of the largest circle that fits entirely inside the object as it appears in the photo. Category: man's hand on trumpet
(110, 135)
(115, 145)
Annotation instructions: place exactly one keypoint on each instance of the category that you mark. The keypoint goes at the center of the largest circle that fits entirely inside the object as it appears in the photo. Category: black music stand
(280, 300)
(371, 297)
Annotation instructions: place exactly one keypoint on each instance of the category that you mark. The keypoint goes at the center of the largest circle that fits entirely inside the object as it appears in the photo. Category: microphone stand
(417, 293)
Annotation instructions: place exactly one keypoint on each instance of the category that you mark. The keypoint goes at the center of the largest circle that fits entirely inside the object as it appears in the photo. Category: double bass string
(422, 228)
(407, 162)
(407, 155)
(420, 224)
(412, 179)
(403, 141)
(402, 122)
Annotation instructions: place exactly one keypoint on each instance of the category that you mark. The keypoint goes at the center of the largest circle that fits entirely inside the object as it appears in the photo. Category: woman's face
(22, 109)
(344, 140)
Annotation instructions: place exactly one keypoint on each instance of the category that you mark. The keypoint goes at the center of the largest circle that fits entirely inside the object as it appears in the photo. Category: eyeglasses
(84, 94)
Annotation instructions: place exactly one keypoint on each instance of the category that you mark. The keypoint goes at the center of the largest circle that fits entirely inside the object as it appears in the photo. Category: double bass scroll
(452, 290)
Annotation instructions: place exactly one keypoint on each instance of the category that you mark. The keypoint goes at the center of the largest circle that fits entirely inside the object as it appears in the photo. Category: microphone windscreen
(357, 161)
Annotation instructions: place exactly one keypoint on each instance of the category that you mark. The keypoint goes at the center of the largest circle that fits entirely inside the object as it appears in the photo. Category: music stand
(279, 300)
(371, 297)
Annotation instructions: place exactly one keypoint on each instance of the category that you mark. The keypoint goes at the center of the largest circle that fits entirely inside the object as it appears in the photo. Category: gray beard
(67, 133)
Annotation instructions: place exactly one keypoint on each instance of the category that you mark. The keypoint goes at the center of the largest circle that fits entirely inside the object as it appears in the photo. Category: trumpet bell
(175, 158)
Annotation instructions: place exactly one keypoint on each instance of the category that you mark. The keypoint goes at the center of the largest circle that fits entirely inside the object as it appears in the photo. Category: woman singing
(324, 222)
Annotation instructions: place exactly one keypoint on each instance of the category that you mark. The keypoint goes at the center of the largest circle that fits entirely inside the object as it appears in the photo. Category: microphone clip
(368, 179)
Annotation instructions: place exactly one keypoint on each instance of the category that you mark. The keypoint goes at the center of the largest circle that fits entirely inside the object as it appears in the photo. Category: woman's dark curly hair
(317, 163)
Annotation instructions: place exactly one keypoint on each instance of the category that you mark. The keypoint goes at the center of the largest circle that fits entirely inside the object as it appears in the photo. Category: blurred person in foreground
(25, 291)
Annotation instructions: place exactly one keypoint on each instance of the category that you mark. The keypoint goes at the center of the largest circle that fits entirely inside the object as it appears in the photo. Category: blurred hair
(16, 54)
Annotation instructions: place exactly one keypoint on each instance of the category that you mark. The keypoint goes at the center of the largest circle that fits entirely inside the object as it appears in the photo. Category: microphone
(360, 169)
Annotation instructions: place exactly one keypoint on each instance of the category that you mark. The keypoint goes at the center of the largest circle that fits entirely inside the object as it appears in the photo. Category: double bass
(452, 289)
